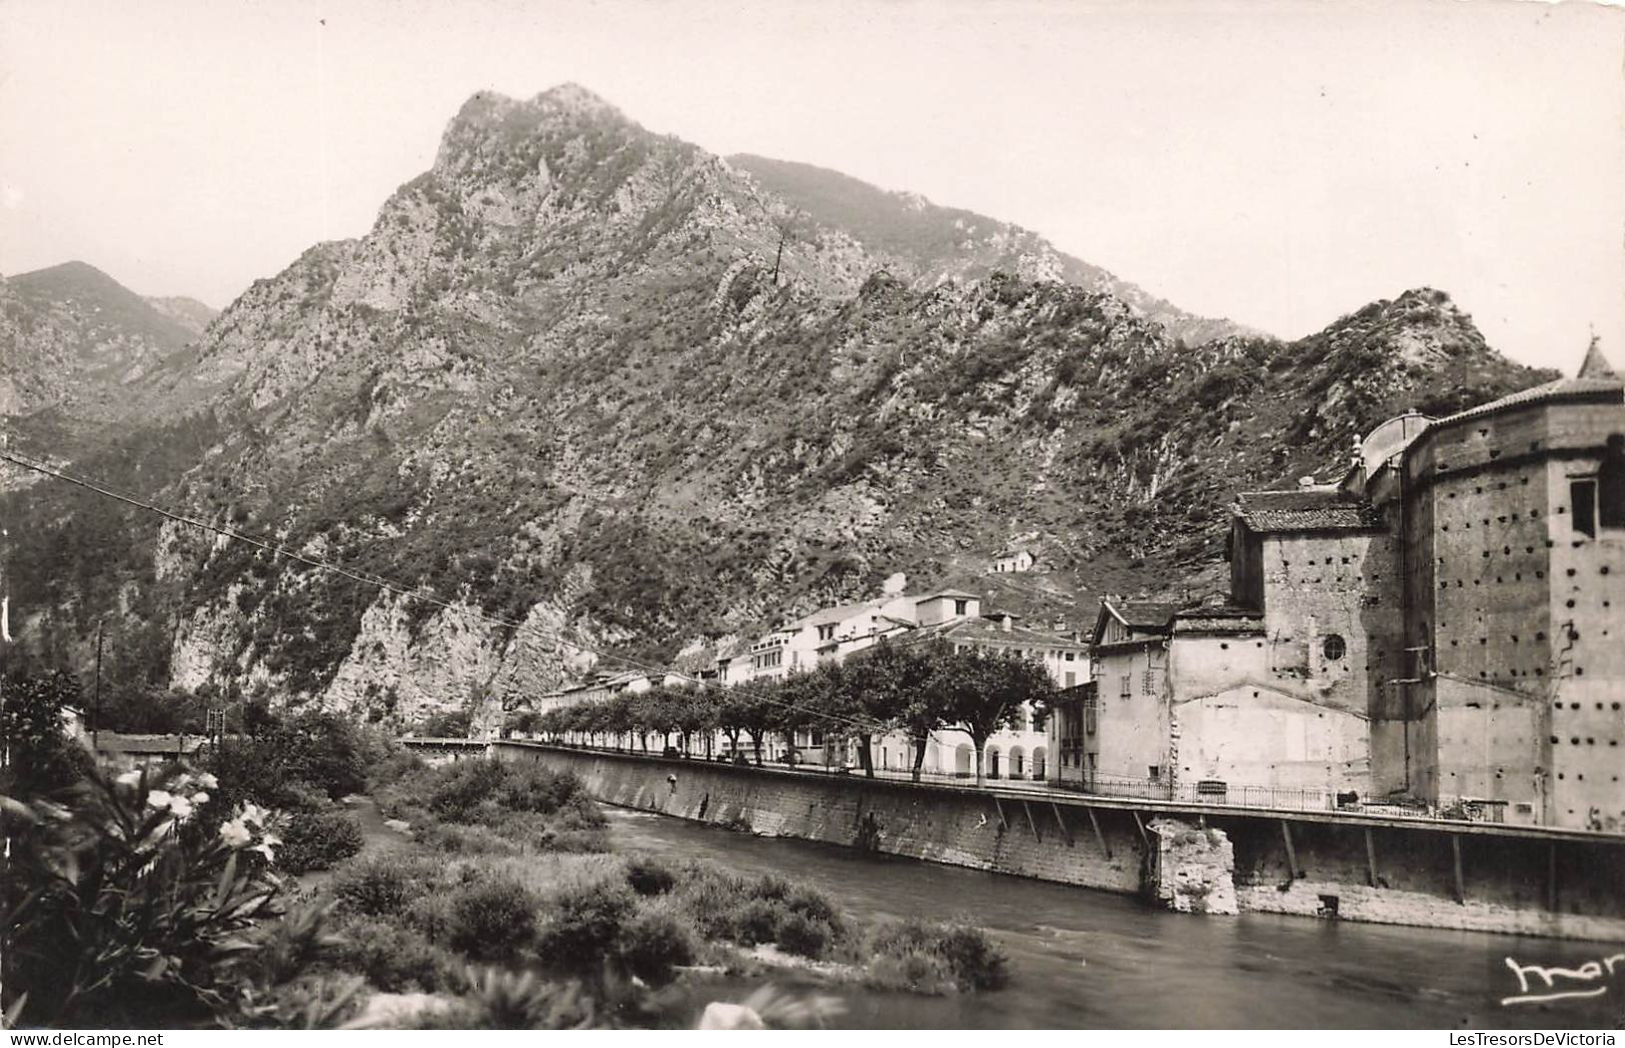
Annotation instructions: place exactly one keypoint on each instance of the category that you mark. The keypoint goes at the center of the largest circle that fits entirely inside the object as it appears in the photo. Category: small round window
(1333, 648)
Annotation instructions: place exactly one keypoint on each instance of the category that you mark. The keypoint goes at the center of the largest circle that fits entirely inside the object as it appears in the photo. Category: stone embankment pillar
(1192, 870)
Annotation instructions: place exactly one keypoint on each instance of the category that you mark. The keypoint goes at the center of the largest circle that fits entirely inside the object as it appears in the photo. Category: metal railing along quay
(1199, 793)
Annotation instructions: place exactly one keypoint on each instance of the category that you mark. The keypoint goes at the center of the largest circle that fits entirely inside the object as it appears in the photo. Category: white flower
(208, 781)
(200, 797)
(264, 848)
(129, 778)
(158, 799)
(235, 834)
(180, 807)
(253, 813)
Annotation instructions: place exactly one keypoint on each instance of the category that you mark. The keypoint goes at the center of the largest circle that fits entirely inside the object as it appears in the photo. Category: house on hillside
(1014, 560)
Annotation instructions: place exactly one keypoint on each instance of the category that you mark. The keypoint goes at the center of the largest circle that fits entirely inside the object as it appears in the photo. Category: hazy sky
(1277, 163)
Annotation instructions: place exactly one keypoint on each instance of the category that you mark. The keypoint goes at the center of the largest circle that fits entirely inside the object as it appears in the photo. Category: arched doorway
(1040, 762)
(991, 762)
(1018, 762)
(964, 760)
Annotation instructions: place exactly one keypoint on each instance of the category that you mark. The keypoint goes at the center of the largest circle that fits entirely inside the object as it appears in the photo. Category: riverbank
(1467, 876)
(1083, 960)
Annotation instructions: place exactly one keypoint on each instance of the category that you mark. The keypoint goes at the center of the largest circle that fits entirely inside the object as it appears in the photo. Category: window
(1611, 483)
(1128, 686)
(1583, 500)
(1333, 648)
(1154, 773)
(826, 632)
(1148, 682)
(961, 607)
(1072, 656)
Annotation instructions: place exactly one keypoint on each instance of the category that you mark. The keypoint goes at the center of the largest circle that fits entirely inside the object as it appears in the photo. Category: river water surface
(1081, 958)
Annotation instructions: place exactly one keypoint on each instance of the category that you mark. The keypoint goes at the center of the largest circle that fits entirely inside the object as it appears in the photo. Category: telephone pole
(96, 703)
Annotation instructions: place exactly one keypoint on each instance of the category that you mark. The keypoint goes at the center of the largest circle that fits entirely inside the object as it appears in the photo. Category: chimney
(1005, 622)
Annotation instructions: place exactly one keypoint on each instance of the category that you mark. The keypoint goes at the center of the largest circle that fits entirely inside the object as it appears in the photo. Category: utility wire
(381, 583)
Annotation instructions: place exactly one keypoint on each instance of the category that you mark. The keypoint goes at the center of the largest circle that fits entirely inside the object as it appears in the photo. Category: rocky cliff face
(612, 393)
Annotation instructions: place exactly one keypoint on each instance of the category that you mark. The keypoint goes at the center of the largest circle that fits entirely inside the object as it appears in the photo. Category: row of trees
(910, 689)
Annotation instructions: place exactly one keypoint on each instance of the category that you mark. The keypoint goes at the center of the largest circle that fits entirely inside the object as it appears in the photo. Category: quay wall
(1513, 880)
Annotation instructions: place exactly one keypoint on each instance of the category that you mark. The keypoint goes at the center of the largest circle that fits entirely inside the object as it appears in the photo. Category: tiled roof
(1143, 614)
(839, 613)
(982, 632)
(1222, 620)
(1306, 509)
(1597, 383)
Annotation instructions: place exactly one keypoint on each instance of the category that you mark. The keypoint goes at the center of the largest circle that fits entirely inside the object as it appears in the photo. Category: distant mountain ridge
(72, 333)
(189, 313)
(595, 380)
(927, 243)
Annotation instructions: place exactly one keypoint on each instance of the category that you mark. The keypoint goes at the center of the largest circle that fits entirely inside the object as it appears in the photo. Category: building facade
(1444, 626)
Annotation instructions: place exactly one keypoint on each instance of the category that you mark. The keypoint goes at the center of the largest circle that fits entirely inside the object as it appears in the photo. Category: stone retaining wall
(1264, 862)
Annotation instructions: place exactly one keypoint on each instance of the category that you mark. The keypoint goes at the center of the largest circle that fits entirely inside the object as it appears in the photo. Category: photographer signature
(1537, 984)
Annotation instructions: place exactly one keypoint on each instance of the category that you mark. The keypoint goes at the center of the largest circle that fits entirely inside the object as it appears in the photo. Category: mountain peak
(571, 95)
(74, 275)
(491, 123)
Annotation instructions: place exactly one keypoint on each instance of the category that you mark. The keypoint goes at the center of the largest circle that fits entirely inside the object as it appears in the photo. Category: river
(1083, 959)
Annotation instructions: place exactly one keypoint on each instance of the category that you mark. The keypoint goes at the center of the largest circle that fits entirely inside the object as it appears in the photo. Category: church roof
(1595, 382)
(1595, 364)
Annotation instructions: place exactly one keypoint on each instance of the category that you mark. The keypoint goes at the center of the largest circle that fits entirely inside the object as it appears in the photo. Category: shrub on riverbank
(927, 957)
(768, 909)
(492, 919)
(488, 807)
(393, 956)
(317, 840)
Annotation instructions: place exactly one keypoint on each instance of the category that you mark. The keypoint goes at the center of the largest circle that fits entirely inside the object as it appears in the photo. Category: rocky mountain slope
(597, 383)
(189, 313)
(927, 244)
(73, 333)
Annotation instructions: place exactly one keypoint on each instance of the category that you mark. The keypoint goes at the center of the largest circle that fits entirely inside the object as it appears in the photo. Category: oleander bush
(121, 908)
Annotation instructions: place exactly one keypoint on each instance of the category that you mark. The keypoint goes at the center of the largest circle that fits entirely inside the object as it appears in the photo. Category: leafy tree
(152, 709)
(749, 709)
(37, 756)
(984, 692)
(697, 713)
(447, 724)
(903, 686)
